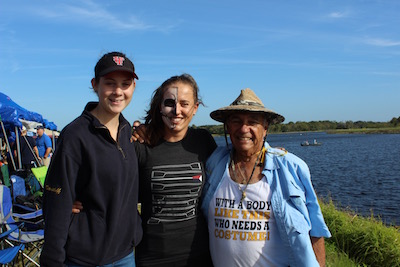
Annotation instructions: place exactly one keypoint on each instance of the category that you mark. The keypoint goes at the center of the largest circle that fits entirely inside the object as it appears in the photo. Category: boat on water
(314, 143)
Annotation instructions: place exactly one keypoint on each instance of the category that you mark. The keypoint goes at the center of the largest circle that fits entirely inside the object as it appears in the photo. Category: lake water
(357, 171)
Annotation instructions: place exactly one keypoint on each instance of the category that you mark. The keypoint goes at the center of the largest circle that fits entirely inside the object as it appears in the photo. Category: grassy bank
(359, 241)
(337, 258)
(388, 130)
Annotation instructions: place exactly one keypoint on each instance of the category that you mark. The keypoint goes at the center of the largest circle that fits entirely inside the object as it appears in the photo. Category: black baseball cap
(114, 61)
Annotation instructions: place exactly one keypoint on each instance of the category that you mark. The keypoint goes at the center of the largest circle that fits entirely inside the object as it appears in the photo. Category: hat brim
(223, 113)
(118, 68)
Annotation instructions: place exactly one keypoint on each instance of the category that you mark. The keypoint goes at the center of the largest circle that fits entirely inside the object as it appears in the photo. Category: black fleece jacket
(90, 166)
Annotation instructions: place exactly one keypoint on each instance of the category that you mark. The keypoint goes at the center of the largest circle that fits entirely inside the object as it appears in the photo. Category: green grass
(387, 130)
(366, 241)
(337, 258)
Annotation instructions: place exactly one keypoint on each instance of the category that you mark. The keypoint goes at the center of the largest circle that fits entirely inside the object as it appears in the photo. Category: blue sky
(307, 60)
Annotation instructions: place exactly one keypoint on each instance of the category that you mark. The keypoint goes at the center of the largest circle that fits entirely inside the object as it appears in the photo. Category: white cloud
(336, 15)
(95, 15)
(381, 42)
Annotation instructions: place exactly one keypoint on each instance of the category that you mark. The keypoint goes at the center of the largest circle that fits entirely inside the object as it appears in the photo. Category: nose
(177, 109)
(117, 90)
(244, 128)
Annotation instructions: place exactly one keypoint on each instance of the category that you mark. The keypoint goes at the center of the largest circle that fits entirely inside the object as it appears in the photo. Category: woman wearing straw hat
(260, 203)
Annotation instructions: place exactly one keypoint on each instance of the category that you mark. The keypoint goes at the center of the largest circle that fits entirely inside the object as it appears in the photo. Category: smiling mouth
(173, 120)
(116, 101)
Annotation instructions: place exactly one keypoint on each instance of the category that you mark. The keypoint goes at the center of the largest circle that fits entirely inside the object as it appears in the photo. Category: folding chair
(40, 174)
(17, 186)
(8, 254)
(31, 235)
(26, 189)
(5, 174)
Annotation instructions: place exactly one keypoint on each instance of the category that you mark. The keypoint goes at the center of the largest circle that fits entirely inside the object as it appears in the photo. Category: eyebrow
(112, 79)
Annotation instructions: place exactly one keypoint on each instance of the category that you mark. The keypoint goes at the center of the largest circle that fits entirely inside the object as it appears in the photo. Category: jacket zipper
(115, 142)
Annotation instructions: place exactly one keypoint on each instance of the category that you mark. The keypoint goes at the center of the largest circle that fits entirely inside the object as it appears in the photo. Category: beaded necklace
(246, 182)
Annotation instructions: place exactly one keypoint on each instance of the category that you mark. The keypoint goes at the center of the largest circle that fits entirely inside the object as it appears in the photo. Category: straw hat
(246, 102)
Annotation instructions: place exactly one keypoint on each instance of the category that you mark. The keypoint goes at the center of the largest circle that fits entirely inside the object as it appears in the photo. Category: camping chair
(8, 254)
(26, 192)
(5, 174)
(40, 174)
(31, 235)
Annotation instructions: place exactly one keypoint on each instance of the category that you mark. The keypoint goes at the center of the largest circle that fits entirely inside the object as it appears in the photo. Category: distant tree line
(302, 126)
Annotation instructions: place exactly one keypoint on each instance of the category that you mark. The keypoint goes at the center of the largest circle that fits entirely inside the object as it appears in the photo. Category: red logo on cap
(119, 60)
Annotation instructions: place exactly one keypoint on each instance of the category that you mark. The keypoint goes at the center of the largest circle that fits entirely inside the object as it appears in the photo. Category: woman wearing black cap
(95, 163)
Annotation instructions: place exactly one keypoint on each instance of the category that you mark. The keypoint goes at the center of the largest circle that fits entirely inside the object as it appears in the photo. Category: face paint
(168, 106)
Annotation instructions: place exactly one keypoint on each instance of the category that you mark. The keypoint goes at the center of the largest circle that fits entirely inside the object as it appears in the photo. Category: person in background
(135, 124)
(29, 150)
(95, 163)
(171, 166)
(259, 201)
(43, 143)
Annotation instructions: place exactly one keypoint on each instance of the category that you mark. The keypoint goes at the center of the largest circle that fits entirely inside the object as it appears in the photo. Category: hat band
(248, 103)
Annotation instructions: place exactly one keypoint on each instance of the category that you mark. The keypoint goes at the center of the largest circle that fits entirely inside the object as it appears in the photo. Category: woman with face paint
(171, 171)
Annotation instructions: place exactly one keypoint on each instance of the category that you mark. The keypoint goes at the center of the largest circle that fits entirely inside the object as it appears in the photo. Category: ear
(196, 107)
(94, 85)
(266, 129)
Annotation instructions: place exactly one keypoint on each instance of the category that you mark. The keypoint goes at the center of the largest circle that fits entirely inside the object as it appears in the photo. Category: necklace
(246, 182)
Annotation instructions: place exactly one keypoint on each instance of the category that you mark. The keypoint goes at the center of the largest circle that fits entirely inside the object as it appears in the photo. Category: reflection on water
(358, 171)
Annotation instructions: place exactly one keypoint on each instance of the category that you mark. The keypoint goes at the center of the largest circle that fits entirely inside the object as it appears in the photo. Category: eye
(169, 102)
(185, 104)
(126, 84)
(253, 122)
(235, 121)
(110, 83)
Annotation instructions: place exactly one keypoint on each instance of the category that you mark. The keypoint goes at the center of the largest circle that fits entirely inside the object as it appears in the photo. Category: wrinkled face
(115, 91)
(247, 131)
(178, 107)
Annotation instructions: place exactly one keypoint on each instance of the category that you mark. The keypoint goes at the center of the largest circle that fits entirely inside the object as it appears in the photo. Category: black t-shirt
(26, 153)
(170, 182)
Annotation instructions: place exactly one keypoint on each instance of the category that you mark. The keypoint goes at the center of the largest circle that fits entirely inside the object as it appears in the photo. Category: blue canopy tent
(12, 117)
(11, 113)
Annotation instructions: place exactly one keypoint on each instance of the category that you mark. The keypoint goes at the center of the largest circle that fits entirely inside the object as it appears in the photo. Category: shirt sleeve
(58, 197)
(318, 226)
(47, 142)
